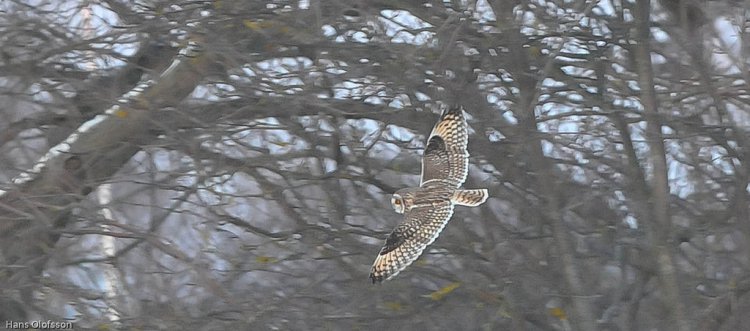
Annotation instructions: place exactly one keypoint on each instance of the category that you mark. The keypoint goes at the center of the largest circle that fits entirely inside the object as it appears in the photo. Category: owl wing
(446, 157)
(407, 241)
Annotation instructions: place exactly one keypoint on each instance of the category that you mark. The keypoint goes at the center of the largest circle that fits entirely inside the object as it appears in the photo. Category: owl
(429, 207)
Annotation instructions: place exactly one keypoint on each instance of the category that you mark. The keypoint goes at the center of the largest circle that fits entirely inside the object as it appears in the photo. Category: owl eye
(398, 202)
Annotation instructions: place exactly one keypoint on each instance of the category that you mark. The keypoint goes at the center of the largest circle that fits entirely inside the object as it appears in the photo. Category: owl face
(398, 203)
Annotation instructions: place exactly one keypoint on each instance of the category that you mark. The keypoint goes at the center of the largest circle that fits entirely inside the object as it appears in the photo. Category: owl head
(398, 203)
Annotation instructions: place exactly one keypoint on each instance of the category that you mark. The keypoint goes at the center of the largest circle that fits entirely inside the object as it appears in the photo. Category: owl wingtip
(454, 108)
(376, 279)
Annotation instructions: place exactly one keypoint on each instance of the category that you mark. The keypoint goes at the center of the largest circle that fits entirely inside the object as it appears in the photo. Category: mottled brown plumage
(429, 207)
(445, 156)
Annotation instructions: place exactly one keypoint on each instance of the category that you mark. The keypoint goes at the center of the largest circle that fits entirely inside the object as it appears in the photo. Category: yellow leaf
(393, 305)
(251, 24)
(121, 113)
(504, 313)
(534, 51)
(257, 25)
(558, 312)
(265, 259)
(439, 294)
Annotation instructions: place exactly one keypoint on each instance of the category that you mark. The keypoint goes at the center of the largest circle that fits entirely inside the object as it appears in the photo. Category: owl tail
(470, 198)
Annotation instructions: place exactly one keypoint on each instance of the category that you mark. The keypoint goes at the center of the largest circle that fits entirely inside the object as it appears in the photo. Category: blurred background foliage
(229, 164)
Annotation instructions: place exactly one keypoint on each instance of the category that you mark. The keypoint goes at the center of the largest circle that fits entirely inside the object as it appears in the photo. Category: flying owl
(429, 207)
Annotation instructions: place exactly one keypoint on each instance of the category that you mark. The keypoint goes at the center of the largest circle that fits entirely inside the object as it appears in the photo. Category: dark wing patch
(395, 239)
(436, 160)
(435, 146)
